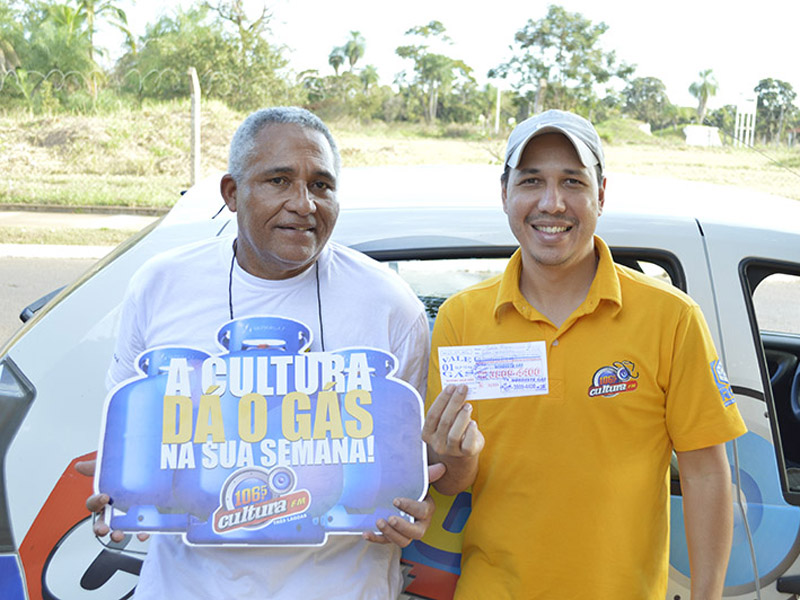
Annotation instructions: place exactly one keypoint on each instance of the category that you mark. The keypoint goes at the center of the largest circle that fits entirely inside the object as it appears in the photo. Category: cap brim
(586, 156)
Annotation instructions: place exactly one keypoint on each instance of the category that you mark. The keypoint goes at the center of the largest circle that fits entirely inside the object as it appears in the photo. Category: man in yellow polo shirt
(570, 483)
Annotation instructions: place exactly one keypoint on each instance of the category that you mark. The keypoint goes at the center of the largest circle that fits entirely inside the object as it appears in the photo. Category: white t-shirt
(182, 298)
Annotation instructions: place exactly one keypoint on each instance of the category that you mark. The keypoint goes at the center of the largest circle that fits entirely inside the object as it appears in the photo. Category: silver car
(736, 252)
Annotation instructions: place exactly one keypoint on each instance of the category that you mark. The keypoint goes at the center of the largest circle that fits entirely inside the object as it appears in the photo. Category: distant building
(792, 136)
(701, 135)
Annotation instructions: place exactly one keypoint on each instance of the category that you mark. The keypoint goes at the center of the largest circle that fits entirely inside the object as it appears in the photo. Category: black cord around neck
(230, 281)
(319, 296)
(319, 306)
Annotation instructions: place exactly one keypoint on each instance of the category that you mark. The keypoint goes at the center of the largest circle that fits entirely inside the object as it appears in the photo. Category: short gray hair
(243, 144)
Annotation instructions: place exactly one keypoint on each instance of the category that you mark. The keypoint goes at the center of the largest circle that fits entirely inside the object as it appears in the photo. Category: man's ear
(504, 195)
(227, 187)
(601, 197)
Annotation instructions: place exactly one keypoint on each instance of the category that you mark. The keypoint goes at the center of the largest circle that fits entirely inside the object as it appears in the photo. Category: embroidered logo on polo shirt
(611, 380)
(723, 384)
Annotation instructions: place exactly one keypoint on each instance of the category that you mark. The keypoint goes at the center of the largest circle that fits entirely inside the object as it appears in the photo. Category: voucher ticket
(496, 370)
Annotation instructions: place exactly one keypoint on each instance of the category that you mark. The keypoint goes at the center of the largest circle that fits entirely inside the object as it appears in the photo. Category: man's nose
(301, 200)
(552, 200)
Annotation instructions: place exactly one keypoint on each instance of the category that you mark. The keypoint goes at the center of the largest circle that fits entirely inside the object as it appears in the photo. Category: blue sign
(264, 443)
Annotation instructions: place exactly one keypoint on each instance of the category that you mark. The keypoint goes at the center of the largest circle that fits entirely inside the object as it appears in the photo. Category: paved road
(29, 271)
(23, 280)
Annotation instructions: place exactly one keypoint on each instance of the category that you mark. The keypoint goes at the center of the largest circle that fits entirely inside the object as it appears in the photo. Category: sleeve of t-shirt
(701, 410)
(129, 343)
(444, 334)
(412, 353)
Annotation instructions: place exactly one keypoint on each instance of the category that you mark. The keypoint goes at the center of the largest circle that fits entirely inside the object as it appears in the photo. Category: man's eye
(278, 180)
(321, 185)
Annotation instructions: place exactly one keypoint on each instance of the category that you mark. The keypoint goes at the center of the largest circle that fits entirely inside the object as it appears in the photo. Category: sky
(742, 42)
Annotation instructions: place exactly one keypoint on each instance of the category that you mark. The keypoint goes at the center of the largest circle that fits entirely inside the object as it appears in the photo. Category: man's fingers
(117, 536)
(473, 441)
(100, 527)
(436, 472)
(458, 429)
(420, 510)
(97, 502)
(399, 531)
(444, 427)
(375, 538)
(452, 409)
(434, 415)
(86, 467)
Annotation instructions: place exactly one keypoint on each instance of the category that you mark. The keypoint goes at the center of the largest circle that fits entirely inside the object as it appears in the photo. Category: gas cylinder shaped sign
(264, 443)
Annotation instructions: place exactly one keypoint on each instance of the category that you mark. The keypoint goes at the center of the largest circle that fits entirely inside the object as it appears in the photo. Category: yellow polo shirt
(571, 497)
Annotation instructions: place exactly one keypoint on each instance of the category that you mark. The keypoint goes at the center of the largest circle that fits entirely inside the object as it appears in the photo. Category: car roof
(459, 206)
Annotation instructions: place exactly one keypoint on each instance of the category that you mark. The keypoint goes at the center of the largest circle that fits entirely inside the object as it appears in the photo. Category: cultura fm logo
(612, 380)
(253, 498)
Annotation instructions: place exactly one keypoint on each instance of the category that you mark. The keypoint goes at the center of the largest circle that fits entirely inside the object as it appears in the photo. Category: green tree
(234, 60)
(559, 57)
(703, 90)
(11, 37)
(354, 48)
(724, 118)
(369, 76)
(248, 34)
(336, 59)
(435, 75)
(645, 98)
(775, 107)
(8, 57)
(57, 50)
(93, 10)
(59, 45)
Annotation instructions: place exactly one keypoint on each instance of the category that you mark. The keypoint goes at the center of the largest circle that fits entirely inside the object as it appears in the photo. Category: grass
(141, 158)
(80, 190)
(68, 237)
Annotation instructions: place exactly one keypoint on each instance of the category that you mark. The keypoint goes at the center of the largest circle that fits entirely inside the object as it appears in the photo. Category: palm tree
(8, 57)
(354, 48)
(92, 9)
(369, 76)
(336, 59)
(703, 90)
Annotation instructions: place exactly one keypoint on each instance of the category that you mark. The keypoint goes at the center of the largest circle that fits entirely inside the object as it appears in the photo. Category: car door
(757, 278)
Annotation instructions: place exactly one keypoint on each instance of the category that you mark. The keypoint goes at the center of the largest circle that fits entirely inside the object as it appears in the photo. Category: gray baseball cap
(577, 130)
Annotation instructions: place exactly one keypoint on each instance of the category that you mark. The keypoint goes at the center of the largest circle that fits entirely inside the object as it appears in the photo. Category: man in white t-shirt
(283, 172)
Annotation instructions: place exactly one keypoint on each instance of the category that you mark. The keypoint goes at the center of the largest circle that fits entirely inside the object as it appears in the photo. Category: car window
(775, 310)
(776, 301)
(436, 279)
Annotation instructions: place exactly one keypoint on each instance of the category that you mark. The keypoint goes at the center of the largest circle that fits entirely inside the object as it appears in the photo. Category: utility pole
(497, 113)
(195, 133)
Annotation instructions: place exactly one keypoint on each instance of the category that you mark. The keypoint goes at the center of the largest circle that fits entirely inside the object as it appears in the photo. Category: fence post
(195, 135)
(745, 123)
